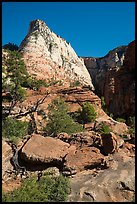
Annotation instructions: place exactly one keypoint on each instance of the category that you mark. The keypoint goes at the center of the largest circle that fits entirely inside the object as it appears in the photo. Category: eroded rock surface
(84, 158)
(6, 157)
(114, 184)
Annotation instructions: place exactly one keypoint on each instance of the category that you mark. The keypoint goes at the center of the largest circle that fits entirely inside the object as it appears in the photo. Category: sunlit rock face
(113, 78)
(99, 67)
(47, 56)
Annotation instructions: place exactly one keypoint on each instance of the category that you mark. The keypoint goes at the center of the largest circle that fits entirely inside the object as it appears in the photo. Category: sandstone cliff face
(98, 67)
(47, 55)
(113, 78)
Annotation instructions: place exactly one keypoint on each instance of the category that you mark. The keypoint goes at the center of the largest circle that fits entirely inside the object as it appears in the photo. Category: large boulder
(41, 149)
(72, 157)
(81, 159)
(111, 142)
(86, 138)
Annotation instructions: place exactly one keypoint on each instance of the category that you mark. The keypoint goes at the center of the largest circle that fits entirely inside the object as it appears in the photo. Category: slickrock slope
(47, 55)
(115, 184)
(113, 78)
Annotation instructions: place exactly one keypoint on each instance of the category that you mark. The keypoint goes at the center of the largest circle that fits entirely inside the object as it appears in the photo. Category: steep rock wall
(113, 78)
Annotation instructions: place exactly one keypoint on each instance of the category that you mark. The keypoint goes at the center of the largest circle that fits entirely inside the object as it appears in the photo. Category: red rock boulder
(81, 159)
(111, 143)
(41, 149)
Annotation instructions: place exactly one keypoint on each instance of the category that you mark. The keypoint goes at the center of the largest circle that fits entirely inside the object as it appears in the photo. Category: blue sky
(92, 28)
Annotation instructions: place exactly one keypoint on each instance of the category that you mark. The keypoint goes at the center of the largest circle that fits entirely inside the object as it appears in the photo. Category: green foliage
(16, 67)
(131, 121)
(87, 114)
(131, 131)
(48, 189)
(34, 84)
(10, 46)
(60, 120)
(19, 93)
(110, 114)
(15, 74)
(121, 120)
(75, 83)
(103, 103)
(53, 81)
(104, 129)
(14, 129)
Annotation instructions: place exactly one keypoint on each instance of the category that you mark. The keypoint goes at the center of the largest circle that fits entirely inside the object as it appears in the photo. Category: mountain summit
(47, 55)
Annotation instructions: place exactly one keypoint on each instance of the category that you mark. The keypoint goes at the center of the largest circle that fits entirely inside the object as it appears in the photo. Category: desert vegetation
(47, 189)
(59, 120)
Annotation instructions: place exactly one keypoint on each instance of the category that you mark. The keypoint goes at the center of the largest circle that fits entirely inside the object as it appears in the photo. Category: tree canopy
(59, 120)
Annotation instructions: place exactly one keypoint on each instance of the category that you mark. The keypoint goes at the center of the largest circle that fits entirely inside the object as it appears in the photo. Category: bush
(131, 131)
(14, 129)
(122, 120)
(33, 83)
(104, 129)
(15, 74)
(10, 46)
(131, 121)
(60, 120)
(47, 189)
(87, 114)
(75, 83)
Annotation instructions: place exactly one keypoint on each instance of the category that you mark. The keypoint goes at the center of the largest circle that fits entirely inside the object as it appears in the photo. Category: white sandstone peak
(48, 55)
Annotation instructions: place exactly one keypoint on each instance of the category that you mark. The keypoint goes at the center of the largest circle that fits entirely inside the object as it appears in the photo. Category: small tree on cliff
(15, 74)
(60, 120)
(87, 114)
(10, 46)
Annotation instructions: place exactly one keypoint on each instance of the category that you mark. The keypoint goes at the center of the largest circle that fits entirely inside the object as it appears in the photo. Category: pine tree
(60, 120)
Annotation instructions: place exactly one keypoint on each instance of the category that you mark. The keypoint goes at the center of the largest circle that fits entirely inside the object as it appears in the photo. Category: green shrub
(75, 83)
(121, 120)
(14, 129)
(15, 74)
(104, 129)
(87, 114)
(47, 189)
(131, 131)
(131, 121)
(52, 81)
(60, 120)
(33, 83)
(10, 46)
